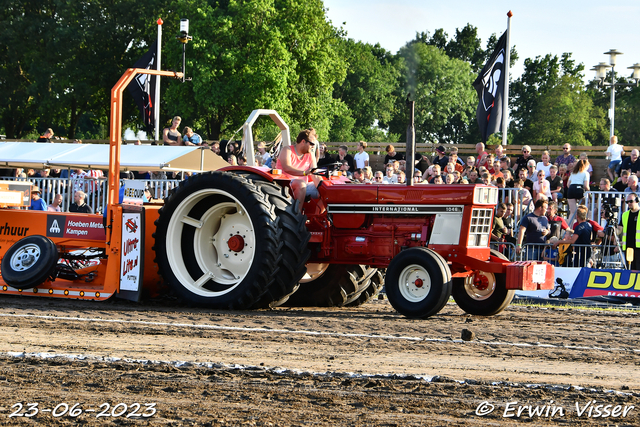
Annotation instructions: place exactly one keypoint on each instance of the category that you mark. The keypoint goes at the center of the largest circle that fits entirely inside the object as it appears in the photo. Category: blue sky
(585, 28)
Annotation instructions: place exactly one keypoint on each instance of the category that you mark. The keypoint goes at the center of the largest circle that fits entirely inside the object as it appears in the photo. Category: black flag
(143, 88)
(490, 88)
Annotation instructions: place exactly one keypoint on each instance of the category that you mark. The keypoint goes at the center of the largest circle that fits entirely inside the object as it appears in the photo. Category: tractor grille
(480, 229)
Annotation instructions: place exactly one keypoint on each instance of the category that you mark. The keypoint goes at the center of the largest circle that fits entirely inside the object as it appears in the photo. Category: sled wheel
(418, 282)
(217, 241)
(486, 294)
(29, 262)
(375, 286)
(294, 251)
(329, 287)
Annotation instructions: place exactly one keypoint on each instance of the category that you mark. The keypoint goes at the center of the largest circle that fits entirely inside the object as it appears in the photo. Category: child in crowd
(564, 175)
(550, 254)
(524, 196)
(471, 162)
(451, 179)
(545, 164)
(390, 177)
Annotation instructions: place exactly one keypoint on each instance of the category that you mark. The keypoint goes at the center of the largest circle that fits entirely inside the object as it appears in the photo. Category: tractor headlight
(485, 196)
(480, 228)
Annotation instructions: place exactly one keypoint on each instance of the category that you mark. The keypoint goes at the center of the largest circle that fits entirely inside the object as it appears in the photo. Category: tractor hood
(32, 155)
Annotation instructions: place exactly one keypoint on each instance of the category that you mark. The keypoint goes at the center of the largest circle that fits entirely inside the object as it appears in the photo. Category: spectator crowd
(547, 215)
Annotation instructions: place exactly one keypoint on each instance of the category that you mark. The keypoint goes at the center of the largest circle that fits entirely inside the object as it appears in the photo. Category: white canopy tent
(32, 155)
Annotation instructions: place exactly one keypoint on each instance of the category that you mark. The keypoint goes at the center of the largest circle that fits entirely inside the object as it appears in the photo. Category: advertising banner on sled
(613, 283)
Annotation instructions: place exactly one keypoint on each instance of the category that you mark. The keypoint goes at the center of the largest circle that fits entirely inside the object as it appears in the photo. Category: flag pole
(505, 97)
(156, 109)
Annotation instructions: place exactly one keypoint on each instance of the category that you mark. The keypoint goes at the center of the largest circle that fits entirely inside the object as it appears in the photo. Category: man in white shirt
(361, 158)
(390, 177)
(614, 154)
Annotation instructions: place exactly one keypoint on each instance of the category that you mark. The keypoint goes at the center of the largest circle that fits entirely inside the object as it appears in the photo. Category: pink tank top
(302, 164)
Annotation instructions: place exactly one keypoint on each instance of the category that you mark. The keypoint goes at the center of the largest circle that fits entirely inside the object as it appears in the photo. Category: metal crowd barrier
(507, 249)
(95, 189)
(597, 201)
(510, 195)
(578, 255)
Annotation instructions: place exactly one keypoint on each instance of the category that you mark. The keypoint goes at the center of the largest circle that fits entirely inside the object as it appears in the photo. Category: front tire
(217, 241)
(29, 262)
(486, 294)
(418, 282)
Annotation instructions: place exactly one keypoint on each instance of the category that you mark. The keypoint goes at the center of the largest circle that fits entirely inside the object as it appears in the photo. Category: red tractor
(234, 239)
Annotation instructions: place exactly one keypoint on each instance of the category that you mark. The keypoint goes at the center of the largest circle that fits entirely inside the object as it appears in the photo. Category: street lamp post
(601, 74)
(184, 38)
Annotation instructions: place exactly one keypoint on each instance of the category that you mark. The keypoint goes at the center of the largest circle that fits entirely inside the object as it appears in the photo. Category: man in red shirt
(482, 157)
(597, 228)
(556, 222)
(297, 162)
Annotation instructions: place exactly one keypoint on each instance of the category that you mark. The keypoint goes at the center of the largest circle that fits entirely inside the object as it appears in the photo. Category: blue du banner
(615, 283)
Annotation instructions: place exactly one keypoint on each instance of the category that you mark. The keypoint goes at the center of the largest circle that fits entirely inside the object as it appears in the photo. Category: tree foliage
(551, 105)
(60, 58)
(565, 114)
(442, 89)
(279, 54)
(627, 125)
(367, 90)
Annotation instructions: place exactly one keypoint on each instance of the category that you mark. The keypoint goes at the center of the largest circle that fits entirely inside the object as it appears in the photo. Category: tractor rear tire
(418, 282)
(29, 262)
(217, 241)
(294, 237)
(363, 284)
(331, 288)
(489, 299)
(376, 283)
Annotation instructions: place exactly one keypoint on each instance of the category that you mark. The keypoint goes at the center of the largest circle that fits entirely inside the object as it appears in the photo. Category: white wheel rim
(314, 270)
(415, 283)
(25, 257)
(223, 257)
(482, 285)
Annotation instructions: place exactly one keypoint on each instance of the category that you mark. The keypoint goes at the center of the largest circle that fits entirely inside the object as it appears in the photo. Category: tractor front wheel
(484, 294)
(418, 282)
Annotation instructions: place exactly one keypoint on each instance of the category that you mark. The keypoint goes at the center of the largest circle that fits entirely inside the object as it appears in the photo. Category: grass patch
(574, 305)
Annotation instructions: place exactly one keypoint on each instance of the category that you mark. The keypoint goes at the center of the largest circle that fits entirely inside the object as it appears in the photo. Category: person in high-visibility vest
(630, 228)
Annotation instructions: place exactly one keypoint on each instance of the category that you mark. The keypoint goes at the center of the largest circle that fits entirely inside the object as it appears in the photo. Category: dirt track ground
(314, 367)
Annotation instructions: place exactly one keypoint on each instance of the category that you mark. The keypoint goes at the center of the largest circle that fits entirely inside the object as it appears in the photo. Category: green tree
(367, 91)
(25, 32)
(565, 114)
(627, 127)
(443, 91)
(62, 57)
(532, 98)
(465, 46)
(279, 54)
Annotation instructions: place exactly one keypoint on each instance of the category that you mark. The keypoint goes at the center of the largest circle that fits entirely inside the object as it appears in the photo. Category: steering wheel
(326, 170)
